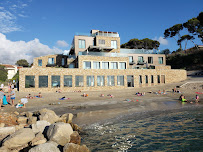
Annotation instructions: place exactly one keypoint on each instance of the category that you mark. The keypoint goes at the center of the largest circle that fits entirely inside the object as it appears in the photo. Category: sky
(33, 28)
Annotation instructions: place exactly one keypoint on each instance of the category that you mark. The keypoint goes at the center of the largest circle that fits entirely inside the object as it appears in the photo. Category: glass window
(29, 81)
(110, 80)
(90, 81)
(67, 80)
(140, 79)
(43, 81)
(62, 61)
(114, 65)
(51, 61)
(105, 65)
(122, 65)
(130, 59)
(158, 78)
(71, 65)
(152, 79)
(160, 60)
(96, 65)
(81, 44)
(120, 80)
(100, 80)
(150, 60)
(114, 44)
(140, 59)
(79, 81)
(86, 65)
(101, 41)
(146, 78)
(40, 62)
(55, 81)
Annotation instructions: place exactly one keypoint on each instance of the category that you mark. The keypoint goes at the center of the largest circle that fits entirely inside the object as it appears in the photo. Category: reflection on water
(174, 131)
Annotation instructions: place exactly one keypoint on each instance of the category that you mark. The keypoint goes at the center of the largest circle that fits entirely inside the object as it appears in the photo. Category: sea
(165, 130)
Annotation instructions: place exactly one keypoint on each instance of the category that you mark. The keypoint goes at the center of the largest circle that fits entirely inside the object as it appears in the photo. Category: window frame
(80, 44)
(40, 76)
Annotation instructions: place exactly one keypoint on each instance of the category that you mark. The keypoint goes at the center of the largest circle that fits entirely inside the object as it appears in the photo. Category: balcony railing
(140, 62)
(103, 54)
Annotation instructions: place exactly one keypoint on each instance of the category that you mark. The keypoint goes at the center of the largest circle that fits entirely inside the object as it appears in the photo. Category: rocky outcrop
(40, 126)
(70, 147)
(75, 138)
(67, 117)
(39, 139)
(7, 130)
(48, 115)
(46, 147)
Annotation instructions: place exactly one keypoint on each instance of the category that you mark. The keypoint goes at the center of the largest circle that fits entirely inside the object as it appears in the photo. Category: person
(12, 86)
(39, 95)
(13, 96)
(197, 98)
(4, 100)
(159, 92)
(2, 86)
(30, 96)
(183, 99)
(85, 95)
(164, 91)
(8, 99)
(102, 95)
(21, 103)
(1, 97)
(9, 87)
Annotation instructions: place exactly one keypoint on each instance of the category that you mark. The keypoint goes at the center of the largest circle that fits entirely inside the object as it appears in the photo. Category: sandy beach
(93, 109)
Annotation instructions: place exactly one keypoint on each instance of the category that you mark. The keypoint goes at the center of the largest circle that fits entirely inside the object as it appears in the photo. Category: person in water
(197, 98)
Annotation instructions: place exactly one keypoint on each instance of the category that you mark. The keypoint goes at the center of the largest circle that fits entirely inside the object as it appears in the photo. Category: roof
(8, 65)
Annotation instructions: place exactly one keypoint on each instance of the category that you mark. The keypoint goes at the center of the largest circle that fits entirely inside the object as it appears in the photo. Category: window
(81, 44)
(122, 65)
(55, 81)
(152, 79)
(120, 80)
(105, 65)
(130, 80)
(100, 80)
(160, 60)
(51, 61)
(96, 65)
(158, 78)
(110, 80)
(40, 62)
(86, 65)
(67, 80)
(101, 41)
(43, 81)
(114, 44)
(140, 79)
(140, 59)
(150, 60)
(130, 59)
(71, 65)
(114, 65)
(146, 79)
(62, 61)
(90, 81)
(29, 81)
(79, 81)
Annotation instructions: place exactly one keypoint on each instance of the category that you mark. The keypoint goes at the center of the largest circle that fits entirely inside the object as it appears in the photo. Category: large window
(120, 80)
(160, 60)
(110, 80)
(29, 81)
(114, 44)
(140, 59)
(43, 81)
(130, 59)
(152, 79)
(96, 65)
(86, 65)
(81, 44)
(62, 61)
(146, 79)
(100, 80)
(51, 61)
(79, 81)
(158, 78)
(71, 65)
(140, 79)
(40, 62)
(90, 81)
(55, 81)
(122, 65)
(150, 60)
(105, 65)
(101, 41)
(67, 80)
(114, 65)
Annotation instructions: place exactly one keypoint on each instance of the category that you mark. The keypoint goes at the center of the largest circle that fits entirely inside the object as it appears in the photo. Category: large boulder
(60, 133)
(7, 130)
(22, 120)
(67, 117)
(48, 115)
(19, 138)
(75, 138)
(4, 149)
(70, 147)
(40, 126)
(32, 120)
(46, 147)
(39, 139)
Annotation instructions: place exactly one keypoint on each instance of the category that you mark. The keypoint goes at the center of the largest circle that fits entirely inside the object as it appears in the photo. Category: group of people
(183, 99)
(7, 99)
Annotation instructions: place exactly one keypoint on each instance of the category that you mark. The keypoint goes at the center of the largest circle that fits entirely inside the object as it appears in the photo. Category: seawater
(166, 130)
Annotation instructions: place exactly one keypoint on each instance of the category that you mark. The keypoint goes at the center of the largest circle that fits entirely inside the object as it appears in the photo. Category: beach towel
(64, 98)
(199, 92)
(5, 101)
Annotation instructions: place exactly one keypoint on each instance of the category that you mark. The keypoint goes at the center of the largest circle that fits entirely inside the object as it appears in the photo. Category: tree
(22, 62)
(3, 73)
(185, 38)
(166, 51)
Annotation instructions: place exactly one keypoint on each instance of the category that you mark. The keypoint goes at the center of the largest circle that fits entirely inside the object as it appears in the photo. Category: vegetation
(16, 76)
(22, 62)
(166, 51)
(3, 74)
(139, 44)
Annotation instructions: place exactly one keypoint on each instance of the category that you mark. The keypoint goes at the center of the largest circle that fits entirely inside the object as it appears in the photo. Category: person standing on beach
(13, 96)
(1, 97)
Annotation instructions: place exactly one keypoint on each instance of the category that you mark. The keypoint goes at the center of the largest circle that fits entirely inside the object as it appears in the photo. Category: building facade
(97, 62)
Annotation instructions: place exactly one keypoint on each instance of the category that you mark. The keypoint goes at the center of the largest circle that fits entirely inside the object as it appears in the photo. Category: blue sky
(32, 28)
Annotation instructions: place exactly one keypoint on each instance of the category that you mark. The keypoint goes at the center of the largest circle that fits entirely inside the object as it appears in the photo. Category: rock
(22, 120)
(67, 118)
(23, 114)
(7, 130)
(20, 126)
(16, 113)
(75, 138)
(46, 147)
(32, 120)
(75, 127)
(4, 149)
(48, 115)
(70, 147)
(39, 139)
(40, 126)
(29, 114)
(19, 138)
(2, 125)
(60, 133)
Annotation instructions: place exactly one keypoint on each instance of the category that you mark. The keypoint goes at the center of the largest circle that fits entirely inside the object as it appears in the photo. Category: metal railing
(103, 54)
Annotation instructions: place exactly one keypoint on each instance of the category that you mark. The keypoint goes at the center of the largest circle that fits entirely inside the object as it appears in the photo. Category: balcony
(106, 34)
(140, 62)
(131, 62)
(50, 64)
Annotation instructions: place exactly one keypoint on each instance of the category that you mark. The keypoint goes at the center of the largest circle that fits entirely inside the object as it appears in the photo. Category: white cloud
(66, 52)
(12, 51)
(161, 40)
(62, 43)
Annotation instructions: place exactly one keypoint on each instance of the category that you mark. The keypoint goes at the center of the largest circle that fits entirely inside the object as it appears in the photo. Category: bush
(3, 74)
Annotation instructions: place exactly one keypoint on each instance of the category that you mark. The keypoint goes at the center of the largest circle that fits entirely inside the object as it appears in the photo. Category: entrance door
(130, 81)
(162, 78)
